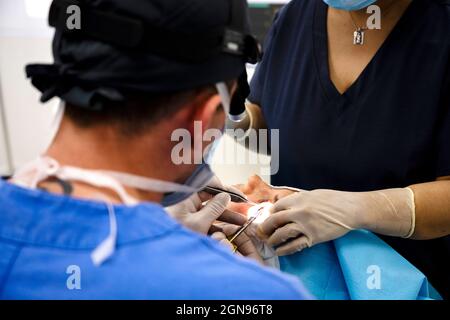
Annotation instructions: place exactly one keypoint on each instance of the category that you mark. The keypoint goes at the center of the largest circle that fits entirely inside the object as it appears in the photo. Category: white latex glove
(244, 244)
(192, 214)
(307, 218)
(196, 217)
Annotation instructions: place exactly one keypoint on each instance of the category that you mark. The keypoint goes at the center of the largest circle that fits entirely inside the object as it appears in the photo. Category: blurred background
(26, 125)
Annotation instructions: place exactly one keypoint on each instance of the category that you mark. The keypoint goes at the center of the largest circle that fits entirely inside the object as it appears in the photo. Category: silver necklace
(360, 32)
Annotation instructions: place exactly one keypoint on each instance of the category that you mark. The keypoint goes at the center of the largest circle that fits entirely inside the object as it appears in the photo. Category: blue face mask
(198, 180)
(349, 5)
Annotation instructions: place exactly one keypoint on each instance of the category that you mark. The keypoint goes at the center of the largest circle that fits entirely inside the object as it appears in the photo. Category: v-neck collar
(361, 85)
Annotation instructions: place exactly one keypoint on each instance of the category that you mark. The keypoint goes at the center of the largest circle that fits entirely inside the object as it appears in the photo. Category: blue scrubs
(390, 129)
(46, 241)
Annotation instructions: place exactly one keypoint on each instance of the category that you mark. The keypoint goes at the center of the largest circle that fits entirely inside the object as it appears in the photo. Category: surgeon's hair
(140, 111)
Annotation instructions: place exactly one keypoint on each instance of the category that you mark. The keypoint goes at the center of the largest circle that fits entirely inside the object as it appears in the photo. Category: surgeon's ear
(205, 112)
(212, 114)
(208, 114)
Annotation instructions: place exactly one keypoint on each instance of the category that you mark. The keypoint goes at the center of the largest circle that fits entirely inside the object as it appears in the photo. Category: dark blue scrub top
(390, 129)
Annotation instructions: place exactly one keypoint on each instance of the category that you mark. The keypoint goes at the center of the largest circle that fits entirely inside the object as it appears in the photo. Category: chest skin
(346, 60)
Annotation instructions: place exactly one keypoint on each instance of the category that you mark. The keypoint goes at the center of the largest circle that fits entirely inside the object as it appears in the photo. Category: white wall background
(25, 123)
(24, 38)
(5, 163)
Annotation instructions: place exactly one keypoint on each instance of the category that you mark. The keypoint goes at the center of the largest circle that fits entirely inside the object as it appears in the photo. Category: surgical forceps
(235, 197)
(244, 227)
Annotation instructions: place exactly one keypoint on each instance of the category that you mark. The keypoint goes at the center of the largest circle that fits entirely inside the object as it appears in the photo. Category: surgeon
(364, 122)
(86, 220)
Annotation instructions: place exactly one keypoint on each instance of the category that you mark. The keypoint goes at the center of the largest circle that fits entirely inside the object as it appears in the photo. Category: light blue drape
(359, 266)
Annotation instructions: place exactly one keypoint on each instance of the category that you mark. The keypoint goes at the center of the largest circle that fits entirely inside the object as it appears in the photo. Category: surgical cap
(87, 71)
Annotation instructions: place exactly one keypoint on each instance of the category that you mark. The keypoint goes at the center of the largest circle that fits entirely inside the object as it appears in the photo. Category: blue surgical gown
(46, 241)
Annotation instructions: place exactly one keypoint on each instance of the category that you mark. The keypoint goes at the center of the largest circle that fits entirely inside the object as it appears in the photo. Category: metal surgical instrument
(244, 227)
(235, 197)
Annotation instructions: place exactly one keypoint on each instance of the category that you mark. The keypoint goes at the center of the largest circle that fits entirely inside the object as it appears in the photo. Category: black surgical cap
(87, 71)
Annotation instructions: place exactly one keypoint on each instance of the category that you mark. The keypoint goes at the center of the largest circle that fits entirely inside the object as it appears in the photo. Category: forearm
(432, 202)
(307, 218)
(419, 212)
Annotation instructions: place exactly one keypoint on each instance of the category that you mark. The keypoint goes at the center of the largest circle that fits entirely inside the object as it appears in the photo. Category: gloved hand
(307, 218)
(192, 214)
(243, 242)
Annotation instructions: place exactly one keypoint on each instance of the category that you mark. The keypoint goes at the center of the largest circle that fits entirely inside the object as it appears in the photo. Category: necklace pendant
(358, 37)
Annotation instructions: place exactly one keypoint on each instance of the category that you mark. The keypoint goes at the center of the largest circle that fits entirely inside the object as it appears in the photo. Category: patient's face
(259, 192)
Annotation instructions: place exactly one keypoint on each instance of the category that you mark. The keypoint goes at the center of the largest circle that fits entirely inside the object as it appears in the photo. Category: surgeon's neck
(103, 148)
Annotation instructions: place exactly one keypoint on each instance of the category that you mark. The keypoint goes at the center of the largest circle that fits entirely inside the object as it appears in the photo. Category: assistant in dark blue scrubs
(390, 129)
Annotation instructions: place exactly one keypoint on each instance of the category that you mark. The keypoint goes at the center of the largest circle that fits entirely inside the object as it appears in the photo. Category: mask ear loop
(42, 168)
(107, 247)
(32, 174)
(98, 179)
(225, 96)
